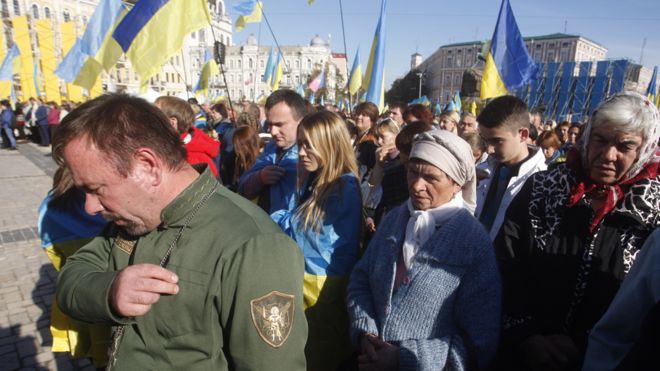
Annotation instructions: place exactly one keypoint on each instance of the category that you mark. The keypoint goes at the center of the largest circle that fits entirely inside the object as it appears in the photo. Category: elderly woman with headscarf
(573, 232)
(426, 293)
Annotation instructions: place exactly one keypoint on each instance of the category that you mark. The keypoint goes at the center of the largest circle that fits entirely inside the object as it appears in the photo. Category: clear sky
(425, 25)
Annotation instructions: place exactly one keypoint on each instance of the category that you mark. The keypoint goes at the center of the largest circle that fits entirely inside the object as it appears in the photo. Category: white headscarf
(451, 154)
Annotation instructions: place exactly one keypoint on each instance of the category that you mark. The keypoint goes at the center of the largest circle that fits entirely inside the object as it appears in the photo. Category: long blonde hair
(325, 136)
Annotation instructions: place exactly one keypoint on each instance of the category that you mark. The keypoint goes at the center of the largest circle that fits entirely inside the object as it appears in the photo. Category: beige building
(176, 77)
(444, 69)
(245, 66)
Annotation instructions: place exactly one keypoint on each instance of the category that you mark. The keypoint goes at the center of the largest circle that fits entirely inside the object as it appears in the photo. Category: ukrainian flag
(277, 73)
(250, 12)
(268, 73)
(209, 69)
(374, 79)
(651, 89)
(154, 30)
(355, 80)
(508, 63)
(63, 230)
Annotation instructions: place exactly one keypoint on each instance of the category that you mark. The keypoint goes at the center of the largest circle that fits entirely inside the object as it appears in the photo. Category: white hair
(627, 112)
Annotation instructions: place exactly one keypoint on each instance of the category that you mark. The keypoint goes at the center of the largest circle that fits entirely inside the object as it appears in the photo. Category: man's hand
(377, 355)
(271, 174)
(137, 287)
(370, 224)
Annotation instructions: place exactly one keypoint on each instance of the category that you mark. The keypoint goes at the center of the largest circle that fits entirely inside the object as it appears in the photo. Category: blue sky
(425, 25)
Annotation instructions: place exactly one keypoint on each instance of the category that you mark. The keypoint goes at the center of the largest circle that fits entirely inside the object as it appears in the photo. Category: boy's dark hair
(292, 99)
(506, 111)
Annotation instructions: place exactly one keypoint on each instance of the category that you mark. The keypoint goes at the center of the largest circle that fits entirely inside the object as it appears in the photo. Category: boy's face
(503, 144)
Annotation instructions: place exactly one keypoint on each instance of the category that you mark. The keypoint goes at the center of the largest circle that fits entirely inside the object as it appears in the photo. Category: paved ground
(27, 279)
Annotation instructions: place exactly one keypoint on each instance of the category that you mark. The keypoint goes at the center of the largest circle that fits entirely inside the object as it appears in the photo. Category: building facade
(443, 71)
(245, 66)
(176, 77)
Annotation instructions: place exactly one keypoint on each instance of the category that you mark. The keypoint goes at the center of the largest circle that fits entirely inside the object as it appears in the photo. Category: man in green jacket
(192, 276)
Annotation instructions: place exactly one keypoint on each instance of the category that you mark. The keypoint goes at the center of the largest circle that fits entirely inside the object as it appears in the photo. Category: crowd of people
(292, 236)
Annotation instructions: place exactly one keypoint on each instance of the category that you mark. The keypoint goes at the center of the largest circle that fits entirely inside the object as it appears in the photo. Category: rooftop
(552, 36)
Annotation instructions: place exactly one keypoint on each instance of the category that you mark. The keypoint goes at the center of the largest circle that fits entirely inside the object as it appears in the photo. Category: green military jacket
(239, 305)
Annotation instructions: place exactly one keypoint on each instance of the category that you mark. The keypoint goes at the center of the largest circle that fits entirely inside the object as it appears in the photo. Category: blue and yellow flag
(154, 30)
(355, 81)
(508, 63)
(250, 12)
(209, 69)
(651, 92)
(458, 106)
(270, 65)
(277, 73)
(11, 64)
(374, 79)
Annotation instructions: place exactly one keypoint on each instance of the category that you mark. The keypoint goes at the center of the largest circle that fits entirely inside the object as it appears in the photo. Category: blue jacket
(448, 304)
(42, 115)
(330, 255)
(282, 194)
(6, 117)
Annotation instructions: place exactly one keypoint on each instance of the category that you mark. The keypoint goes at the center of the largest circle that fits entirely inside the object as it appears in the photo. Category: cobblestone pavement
(27, 279)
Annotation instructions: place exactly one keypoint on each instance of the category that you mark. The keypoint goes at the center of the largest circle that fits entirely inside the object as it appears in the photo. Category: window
(261, 63)
(309, 64)
(47, 12)
(17, 8)
(67, 16)
(5, 8)
(202, 35)
(297, 64)
(84, 19)
(240, 64)
(250, 63)
(35, 11)
(450, 61)
(551, 56)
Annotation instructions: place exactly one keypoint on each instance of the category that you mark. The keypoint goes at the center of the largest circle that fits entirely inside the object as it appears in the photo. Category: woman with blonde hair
(448, 120)
(326, 225)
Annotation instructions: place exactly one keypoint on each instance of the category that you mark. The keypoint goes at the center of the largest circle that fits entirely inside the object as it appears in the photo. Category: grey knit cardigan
(446, 313)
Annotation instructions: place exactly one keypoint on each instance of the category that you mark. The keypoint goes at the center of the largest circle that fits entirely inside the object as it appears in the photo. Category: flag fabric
(97, 41)
(246, 7)
(450, 106)
(72, 63)
(322, 102)
(48, 58)
(23, 42)
(277, 74)
(318, 82)
(473, 108)
(301, 90)
(254, 16)
(68, 34)
(270, 65)
(508, 63)
(312, 98)
(458, 106)
(154, 30)
(437, 109)
(355, 81)
(209, 69)
(651, 92)
(11, 64)
(374, 79)
(6, 86)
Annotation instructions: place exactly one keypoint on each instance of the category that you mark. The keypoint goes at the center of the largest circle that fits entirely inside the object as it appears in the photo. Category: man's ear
(147, 167)
(524, 134)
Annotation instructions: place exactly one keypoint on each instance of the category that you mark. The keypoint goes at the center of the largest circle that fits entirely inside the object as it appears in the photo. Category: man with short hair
(396, 112)
(536, 119)
(273, 177)
(7, 121)
(504, 126)
(468, 124)
(182, 290)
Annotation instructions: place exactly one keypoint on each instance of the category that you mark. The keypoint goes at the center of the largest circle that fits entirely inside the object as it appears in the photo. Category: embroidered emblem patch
(124, 244)
(272, 315)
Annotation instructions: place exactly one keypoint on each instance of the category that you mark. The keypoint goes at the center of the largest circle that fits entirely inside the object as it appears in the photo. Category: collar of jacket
(174, 214)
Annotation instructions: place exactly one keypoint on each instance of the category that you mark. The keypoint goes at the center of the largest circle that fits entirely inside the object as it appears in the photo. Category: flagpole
(343, 31)
(222, 72)
(275, 39)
